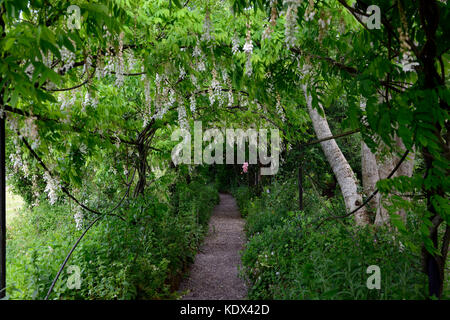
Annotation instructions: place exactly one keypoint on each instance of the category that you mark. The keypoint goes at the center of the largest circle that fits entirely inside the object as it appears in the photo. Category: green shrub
(286, 257)
(143, 257)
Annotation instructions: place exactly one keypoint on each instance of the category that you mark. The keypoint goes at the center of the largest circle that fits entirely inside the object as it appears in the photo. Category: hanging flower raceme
(172, 98)
(16, 160)
(52, 187)
(279, 108)
(192, 103)
(235, 44)
(273, 20)
(86, 101)
(194, 81)
(120, 64)
(182, 118)
(157, 99)
(66, 104)
(207, 28)
(132, 62)
(215, 90)
(87, 64)
(30, 131)
(291, 27)
(248, 49)
(408, 62)
(197, 52)
(230, 92)
(310, 13)
(182, 74)
(148, 100)
(68, 58)
(108, 63)
(169, 98)
(78, 217)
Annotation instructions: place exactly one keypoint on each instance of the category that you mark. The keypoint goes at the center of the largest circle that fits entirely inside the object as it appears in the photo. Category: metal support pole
(2, 209)
(300, 179)
(2, 179)
(300, 186)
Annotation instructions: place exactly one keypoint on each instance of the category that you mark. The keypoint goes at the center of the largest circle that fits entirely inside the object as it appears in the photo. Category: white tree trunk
(385, 167)
(342, 170)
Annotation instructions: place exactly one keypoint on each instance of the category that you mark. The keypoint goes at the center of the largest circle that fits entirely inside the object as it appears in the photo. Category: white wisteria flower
(291, 27)
(68, 58)
(51, 188)
(78, 217)
(408, 62)
(207, 28)
(248, 47)
(197, 52)
(182, 118)
(235, 44)
(192, 103)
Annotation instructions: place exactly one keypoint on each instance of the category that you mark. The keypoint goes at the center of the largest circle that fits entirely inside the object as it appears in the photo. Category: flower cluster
(291, 27)
(66, 104)
(78, 217)
(207, 28)
(182, 118)
(30, 70)
(215, 90)
(248, 49)
(16, 161)
(273, 20)
(30, 131)
(68, 58)
(108, 66)
(279, 108)
(235, 44)
(197, 52)
(89, 101)
(87, 64)
(132, 62)
(120, 64)
(51, 188)
(310, 13)
(182, 74)
(192, 103)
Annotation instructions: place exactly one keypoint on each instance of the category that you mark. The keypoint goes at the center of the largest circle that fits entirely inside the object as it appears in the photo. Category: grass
(14, 204)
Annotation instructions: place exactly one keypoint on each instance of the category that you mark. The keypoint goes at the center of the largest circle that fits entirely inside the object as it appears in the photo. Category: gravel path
(214, 274)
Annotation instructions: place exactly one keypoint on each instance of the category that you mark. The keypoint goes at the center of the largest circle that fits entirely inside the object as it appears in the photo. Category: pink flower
(245, 167)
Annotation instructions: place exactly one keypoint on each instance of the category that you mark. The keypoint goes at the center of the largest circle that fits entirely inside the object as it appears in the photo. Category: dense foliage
(90, 109)
(286, 257)
(143, 259)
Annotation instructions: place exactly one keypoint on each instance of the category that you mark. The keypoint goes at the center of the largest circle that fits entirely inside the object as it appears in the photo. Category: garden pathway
(214, 274)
